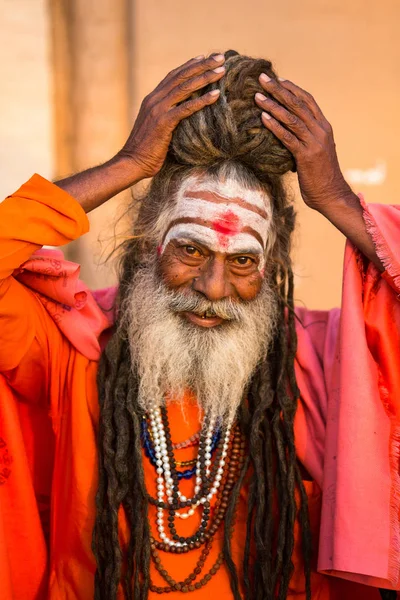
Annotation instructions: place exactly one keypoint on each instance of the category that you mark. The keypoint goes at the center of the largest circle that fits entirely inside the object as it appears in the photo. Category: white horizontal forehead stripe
(201, 209)
(229, 188)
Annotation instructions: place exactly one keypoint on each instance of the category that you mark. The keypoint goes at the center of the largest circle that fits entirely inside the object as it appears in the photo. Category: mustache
(227, 309)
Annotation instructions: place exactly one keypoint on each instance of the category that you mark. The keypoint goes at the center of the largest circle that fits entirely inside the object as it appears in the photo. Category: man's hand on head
(295, 118)
(146, 148)
(163, 109)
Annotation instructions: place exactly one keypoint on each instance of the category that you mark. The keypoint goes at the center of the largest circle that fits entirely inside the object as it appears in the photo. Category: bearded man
(192, 432)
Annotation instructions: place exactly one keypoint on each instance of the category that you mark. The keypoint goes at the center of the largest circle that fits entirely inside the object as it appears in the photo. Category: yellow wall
(91, 64)
(25, 93)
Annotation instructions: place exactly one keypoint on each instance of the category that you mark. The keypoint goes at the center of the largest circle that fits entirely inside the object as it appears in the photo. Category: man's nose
(213, 281)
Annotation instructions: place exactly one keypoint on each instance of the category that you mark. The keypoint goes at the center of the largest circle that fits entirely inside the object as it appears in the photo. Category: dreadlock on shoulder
(225, 137)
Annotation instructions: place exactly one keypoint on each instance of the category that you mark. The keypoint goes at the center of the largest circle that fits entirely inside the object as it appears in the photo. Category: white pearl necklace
(165, 483)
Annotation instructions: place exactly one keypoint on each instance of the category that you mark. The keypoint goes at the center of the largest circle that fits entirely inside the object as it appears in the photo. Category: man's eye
(192, 251)
(243, 261)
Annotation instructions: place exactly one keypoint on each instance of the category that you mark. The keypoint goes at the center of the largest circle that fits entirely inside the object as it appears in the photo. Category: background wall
(25, 96)
(106, 55)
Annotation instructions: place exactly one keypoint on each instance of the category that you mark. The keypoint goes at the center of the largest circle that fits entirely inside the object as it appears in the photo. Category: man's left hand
(295, 118)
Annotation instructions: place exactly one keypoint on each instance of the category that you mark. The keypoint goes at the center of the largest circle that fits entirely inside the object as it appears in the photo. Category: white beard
(172, 356)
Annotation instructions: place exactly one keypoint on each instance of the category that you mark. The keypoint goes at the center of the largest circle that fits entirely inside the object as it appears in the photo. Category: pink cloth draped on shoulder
(348, 421)
(70, 303)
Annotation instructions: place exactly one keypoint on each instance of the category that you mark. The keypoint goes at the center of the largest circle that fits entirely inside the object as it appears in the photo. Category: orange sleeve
(38, 214)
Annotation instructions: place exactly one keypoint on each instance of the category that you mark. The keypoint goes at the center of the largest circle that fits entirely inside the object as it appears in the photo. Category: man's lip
(207, 322)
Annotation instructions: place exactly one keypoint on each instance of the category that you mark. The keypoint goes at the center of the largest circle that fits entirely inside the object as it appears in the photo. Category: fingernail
(265, 78)
(214, 93)
(266, 115)
(260, 96)
(219, 70)
(281, 79)
(219, 57)
(200, 57)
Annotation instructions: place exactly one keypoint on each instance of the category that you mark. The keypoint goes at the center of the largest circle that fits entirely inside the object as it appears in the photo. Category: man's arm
(301, 126)
(346, 214)
(95, 186)
(146, 148)
(41, 213)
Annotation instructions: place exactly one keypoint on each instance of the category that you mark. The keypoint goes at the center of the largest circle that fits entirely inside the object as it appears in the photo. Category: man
(219, 413)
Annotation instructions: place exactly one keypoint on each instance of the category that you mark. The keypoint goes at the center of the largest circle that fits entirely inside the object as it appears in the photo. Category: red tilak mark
(225, 225)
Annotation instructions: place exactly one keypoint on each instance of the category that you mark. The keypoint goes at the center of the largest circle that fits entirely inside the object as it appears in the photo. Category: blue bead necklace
(150, 453)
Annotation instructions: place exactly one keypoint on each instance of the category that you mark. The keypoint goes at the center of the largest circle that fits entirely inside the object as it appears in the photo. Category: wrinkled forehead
(223, 215)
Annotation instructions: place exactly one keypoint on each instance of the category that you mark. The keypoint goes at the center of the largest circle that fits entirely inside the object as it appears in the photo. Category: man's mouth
(207, 319)
(208, 314)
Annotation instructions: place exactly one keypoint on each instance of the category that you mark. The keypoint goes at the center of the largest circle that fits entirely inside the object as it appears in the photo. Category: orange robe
(48, 421)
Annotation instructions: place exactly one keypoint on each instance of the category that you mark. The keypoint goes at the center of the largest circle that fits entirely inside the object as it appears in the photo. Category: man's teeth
(208, 314)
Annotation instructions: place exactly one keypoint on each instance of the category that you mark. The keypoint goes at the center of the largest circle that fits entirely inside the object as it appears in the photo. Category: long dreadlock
(206, 142)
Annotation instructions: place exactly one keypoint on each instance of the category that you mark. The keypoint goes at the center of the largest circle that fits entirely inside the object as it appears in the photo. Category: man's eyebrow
(247, 251)
(192, 239)
(189, 238)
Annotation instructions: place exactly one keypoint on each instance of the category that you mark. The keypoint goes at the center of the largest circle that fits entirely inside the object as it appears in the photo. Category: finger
(189, 62)
(287, 138)
(307, 98)
(185, 89)
(289, 119)
(290, 101)
(187, 72)
(184, 110)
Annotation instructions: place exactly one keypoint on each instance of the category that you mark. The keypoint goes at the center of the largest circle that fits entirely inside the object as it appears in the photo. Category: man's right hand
(146, 148)
(165, 107)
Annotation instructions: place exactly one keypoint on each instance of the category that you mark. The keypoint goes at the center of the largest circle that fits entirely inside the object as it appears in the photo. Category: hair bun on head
(230, 53)
(231, 129)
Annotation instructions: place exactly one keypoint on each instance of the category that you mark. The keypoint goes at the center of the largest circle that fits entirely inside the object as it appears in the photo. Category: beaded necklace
(213, 478)
(147, 441)
(192, 441)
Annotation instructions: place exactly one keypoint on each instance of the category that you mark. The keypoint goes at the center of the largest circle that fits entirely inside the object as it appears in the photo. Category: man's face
(210, 315)
(214, 244)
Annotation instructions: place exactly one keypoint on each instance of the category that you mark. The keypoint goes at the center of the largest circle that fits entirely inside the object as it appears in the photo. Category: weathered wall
(90, 51)
(25, 93)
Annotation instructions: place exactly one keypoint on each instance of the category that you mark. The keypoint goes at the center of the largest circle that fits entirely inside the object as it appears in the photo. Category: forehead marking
(226, 224)
(219, 199)
(220, 227)
(224, 217)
